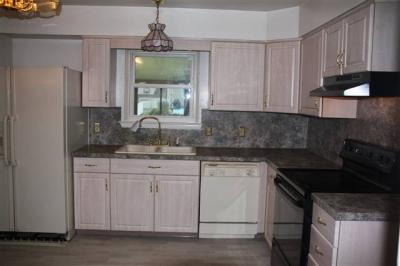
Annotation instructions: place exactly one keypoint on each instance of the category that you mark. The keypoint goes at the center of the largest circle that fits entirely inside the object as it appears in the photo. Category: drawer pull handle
(319, 220)
(319, 252)
(90, 165)
(151, 187)
(154, 167)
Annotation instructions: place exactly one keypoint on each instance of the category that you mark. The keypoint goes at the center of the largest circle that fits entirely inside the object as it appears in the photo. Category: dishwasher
(229, 199)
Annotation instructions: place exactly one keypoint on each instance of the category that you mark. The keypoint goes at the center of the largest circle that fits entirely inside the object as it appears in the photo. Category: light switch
(97, 127)
(242, 132)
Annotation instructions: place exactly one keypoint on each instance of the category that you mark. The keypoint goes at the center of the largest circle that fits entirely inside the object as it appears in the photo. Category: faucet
(159, 126)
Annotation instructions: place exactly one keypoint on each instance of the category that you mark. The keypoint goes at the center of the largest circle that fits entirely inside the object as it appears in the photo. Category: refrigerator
(42, 122)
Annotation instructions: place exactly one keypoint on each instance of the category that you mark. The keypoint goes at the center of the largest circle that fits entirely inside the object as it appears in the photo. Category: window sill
(166, 125)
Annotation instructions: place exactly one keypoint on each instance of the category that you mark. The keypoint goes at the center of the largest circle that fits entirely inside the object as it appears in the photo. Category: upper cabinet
(96, 73)
(311, 78)
(282, 77)
(237, 76)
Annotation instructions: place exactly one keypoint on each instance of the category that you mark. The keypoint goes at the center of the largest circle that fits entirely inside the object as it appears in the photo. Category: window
(162, 85)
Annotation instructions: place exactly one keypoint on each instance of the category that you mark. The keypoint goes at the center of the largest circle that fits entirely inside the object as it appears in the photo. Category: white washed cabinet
(343, 243)
(282, 77)
(237, 76)
(92, 193)
(311, 78)
(269, 206)
(132, 198)
(176, 204)
(96, 73)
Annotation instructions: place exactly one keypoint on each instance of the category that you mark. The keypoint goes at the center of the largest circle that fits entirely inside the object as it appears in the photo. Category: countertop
(276, 158)
(359, 207)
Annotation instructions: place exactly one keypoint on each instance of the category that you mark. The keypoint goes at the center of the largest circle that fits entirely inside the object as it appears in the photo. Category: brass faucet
(159, 141)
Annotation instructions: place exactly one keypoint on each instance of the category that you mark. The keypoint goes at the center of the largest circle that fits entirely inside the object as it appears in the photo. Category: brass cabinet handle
(106, 96)
(154, 167)
(151, 187)
(318, 251)
(320, 221)
(106, 185)
(212, 99)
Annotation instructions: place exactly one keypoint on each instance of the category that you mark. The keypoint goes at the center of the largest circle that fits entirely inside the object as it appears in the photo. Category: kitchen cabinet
(282, 77)
(132, 198)
(335, 242)
(92, 200)
(176, 203)
(311, 78)
(237, 76)
(92, 193)
(155, 195)
(96, 73)
(347, 43)
(269, 205)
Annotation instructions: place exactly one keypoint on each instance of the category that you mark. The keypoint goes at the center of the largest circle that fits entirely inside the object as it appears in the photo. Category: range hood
(362, 84)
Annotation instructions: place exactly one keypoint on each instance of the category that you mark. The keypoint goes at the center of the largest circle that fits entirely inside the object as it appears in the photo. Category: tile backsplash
(270, 130)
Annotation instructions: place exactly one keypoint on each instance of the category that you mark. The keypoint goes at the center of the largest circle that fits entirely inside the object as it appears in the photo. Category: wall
(378, 122)
(133, 21)
(314, 13)
(5, 51)
(48, 52)
(263, 130)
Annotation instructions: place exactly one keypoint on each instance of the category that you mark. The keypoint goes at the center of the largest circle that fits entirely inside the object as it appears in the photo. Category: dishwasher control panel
(231, 170)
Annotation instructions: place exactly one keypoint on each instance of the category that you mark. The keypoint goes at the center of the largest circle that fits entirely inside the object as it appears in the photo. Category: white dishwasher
(229, 200)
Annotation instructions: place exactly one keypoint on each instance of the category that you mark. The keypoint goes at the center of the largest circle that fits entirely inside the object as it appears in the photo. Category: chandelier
(157, 40)
(32, 8)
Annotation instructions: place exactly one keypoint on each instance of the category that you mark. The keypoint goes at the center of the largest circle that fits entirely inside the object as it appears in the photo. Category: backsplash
(269, 130)
(378, 122)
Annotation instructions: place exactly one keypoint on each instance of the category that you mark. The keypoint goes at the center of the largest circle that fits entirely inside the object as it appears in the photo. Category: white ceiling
(253, 5)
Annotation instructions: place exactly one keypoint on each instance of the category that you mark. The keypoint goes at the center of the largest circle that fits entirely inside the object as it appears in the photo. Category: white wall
(5, 51)
(190, 23)
(47, 53)
(314, 13)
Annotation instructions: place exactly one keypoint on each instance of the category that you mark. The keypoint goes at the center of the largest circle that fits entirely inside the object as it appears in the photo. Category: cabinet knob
(316, 102)
(318, 251)
(320, 221)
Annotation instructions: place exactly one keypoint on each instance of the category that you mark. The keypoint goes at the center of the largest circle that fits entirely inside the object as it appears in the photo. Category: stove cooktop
(328, 181)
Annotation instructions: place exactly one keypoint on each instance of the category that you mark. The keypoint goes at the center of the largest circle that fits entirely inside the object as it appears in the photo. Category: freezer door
(39, 179)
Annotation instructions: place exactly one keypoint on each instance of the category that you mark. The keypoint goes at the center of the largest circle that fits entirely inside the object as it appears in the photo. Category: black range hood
(362, 84)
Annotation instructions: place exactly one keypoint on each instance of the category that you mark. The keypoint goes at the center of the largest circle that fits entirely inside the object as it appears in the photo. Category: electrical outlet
(242, 132)
(208, 131)
(97, 127)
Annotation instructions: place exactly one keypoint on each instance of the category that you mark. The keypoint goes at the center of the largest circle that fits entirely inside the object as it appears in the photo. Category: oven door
(288, 224)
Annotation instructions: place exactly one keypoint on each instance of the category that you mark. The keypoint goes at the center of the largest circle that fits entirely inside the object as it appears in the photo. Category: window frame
(128, 118)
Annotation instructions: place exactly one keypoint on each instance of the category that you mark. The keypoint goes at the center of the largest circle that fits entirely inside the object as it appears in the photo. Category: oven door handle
(288, 193)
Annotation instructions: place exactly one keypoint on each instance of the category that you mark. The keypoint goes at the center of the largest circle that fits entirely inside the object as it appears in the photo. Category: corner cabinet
(237, 76)
(282, 77)
(311, 78)
(96, 73)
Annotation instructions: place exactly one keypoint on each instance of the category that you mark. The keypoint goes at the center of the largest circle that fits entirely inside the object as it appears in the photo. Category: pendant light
(157, 40)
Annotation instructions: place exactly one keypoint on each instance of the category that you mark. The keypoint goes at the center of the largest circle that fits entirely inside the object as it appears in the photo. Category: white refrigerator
(42, 122)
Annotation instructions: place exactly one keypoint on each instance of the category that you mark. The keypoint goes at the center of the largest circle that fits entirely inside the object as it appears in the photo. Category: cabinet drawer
(328, 227)
(311, 261)
(91, 165)
(320, 249)
(155, 167)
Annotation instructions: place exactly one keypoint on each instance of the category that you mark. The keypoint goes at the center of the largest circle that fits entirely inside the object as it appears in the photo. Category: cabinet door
(357, 41)
(269, 206)
(237, 76)
(333, 42)
(282, 77)
(311, 73)
(92, 201)
(132, 202)
(176, 204)
(96, 73)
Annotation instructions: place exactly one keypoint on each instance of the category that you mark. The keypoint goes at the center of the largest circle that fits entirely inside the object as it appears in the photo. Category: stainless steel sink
(147, 149)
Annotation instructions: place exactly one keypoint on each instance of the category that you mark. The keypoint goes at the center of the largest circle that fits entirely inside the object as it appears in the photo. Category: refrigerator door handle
(5, 140)
(13, 161)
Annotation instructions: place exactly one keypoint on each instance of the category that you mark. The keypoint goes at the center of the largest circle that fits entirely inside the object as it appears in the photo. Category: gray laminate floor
(111, 250)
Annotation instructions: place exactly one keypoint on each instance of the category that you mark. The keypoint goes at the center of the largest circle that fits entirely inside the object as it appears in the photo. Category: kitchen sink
(147, 149)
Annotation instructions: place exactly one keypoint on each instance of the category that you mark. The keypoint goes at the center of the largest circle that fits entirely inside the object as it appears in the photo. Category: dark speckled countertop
(276, 158)
(359, 207)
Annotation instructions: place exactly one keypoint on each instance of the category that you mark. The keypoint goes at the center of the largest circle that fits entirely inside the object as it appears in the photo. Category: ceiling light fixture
(31, 8)
(157, 40)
